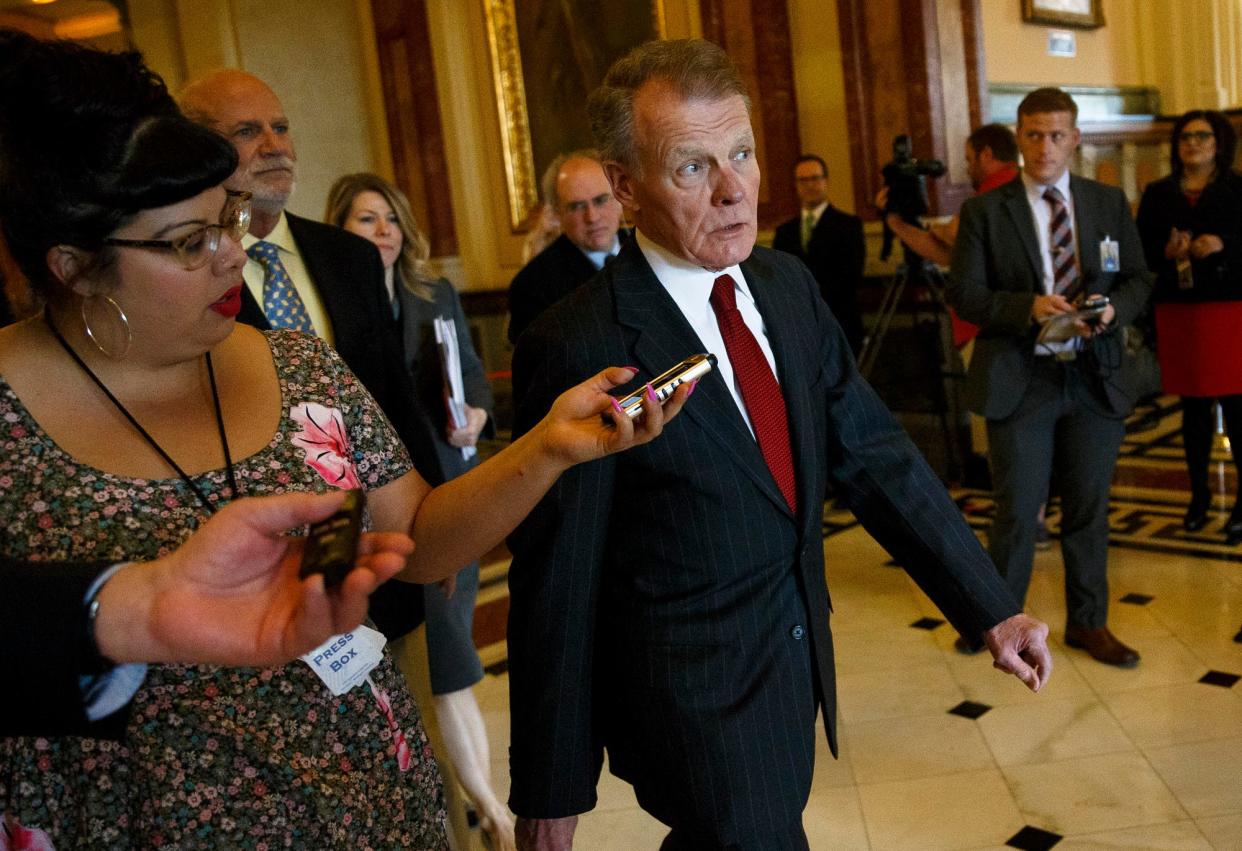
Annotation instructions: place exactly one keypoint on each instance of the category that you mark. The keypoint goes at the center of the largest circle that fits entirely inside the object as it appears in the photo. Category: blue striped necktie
(282, 305)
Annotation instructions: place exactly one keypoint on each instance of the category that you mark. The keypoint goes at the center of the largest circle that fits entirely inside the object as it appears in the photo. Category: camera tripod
(945, 408)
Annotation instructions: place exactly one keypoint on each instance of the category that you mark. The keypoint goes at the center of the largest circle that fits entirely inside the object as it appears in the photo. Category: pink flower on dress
(14, 837)
(326, 444)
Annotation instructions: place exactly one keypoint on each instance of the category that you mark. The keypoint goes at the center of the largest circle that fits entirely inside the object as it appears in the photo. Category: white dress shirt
(1041, 210)
(690, 286)
(817, 213)
(598, 258)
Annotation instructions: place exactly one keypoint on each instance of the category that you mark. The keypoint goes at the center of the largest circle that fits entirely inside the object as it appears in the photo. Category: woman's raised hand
(586, 423)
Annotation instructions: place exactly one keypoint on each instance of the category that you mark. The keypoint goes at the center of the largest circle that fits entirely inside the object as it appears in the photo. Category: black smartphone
(332, 543)
(663, 385)
(1092, 309)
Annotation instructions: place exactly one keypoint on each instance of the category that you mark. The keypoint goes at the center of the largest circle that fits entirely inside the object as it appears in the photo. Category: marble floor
(941, 751)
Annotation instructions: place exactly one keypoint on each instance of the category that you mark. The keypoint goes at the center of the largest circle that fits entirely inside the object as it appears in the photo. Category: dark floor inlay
(970, 709)
(1219, 678)
(1033, 839)
(927, 623)
(499, 668)
(1238, 638)
(1137, 599)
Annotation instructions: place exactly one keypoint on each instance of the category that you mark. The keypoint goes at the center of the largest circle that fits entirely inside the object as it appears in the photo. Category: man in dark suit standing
(830, 242)
(671, 604)
(311, 277)
(577, 189)
(1025, 254)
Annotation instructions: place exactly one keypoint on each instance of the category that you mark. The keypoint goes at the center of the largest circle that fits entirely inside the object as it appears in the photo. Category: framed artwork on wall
(547, 57)
(1084, 14)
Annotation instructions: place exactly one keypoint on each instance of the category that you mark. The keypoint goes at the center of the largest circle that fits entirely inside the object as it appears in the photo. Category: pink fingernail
(616, 406)
(693, 384)
(632, 369)
(650, 394)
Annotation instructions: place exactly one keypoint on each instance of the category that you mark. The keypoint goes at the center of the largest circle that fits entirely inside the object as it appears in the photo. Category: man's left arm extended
(903, 505)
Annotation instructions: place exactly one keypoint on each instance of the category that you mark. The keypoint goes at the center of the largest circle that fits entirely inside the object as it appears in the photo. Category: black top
(1217, 277)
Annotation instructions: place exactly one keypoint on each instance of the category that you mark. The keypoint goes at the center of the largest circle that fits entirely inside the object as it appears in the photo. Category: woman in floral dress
(135, 406)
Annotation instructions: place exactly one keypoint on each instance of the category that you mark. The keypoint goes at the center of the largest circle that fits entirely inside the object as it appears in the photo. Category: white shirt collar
(817, 212)
(688, 284)
(597, 258)
(280, 236)
(1035, 190)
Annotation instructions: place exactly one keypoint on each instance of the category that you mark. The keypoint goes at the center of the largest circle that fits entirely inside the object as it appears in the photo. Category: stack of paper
(454, 388)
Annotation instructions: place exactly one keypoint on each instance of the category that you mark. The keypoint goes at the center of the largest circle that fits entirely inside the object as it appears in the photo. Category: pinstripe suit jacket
(656, 594)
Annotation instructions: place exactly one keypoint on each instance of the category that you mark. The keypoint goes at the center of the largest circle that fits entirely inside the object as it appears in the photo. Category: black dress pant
(1055, 427)
(1198, 426)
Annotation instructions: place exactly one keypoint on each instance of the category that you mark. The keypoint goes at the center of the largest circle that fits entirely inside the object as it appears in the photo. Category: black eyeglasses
(197, 247)
(1196, 135)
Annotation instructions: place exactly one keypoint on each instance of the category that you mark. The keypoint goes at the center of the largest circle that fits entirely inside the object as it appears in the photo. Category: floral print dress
(216, 757)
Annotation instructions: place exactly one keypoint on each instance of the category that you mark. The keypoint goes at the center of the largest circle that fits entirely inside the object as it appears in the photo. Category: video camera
(906, 179)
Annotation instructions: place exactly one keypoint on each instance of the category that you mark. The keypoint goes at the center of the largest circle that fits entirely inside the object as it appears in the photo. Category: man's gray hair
(547, 186)
(696, 69)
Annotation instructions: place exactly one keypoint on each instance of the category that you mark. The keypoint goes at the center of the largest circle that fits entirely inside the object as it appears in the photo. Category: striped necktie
(760, 391)
(282, 305)
(1061, 240)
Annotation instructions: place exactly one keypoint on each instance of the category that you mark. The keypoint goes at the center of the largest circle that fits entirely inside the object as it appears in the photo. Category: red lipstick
(229, 304)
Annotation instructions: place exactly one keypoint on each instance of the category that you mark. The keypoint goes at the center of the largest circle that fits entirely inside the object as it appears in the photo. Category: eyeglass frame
(234, 220)
(1195, 136)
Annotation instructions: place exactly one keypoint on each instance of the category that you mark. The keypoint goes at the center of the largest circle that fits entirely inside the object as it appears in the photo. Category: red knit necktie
(760, 392)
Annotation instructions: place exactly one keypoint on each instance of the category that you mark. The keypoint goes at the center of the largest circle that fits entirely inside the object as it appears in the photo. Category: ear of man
(622, 183)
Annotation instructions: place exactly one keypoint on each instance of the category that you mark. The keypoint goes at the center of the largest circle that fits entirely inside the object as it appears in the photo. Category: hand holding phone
(691, 369)
(332, 545)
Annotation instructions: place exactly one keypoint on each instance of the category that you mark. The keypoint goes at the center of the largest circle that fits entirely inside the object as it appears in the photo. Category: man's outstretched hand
(1019, 646)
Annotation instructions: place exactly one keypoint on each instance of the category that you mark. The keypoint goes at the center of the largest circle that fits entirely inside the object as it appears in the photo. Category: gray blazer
(997, 272)
(666, 603)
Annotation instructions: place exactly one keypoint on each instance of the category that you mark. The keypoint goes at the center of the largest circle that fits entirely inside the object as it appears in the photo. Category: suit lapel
(664, 337)
(781, 320)
(1019, 210)
(1089, 234)
(323, 277)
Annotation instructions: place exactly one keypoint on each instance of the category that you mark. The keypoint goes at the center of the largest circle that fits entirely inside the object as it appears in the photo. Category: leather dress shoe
(1102, 646)
(1233, 531)
(961, 645)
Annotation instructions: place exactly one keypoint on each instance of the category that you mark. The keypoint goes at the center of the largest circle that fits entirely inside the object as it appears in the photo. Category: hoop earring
(124, 320)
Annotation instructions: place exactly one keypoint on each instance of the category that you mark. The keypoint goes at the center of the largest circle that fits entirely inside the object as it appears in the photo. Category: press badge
(343, 661)
(1110, 255)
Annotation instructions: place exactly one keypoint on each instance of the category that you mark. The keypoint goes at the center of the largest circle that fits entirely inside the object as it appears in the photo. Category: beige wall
(1189, 50)
(321, 65)
(1017, 52)
(819, 86)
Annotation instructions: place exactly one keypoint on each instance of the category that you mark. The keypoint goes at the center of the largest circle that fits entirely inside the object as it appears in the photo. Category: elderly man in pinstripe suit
(670, 604)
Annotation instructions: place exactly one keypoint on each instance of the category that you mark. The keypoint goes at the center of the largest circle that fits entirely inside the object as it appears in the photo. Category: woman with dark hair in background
(134, 406)
(371, 207)
(1191, 225)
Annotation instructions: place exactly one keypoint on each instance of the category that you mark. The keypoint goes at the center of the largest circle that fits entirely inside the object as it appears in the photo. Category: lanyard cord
(215, 398)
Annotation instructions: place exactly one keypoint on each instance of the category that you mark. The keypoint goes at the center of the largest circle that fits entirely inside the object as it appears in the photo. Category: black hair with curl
(87, 140)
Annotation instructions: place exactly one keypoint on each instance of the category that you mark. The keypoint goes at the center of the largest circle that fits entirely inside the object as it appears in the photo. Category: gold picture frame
(508, 78)
(1081, 14)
